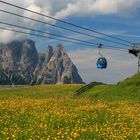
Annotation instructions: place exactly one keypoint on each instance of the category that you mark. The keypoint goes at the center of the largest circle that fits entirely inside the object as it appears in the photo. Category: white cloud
(6, 36)
(120, 65)
(99, 7)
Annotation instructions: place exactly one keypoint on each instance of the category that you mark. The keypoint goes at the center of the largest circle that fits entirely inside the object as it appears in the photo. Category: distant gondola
(101, 63)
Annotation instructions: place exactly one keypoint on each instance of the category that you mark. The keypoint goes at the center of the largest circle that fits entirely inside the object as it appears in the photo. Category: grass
(126, 90)
(52, 112)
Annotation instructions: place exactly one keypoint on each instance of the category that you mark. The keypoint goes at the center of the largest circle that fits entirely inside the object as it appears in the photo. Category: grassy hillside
(52, 112)
(128, 89)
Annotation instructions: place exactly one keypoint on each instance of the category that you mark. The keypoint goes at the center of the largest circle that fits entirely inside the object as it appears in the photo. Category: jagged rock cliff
(20, 63)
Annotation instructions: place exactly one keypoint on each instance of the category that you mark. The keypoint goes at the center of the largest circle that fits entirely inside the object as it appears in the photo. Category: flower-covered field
(52, 112)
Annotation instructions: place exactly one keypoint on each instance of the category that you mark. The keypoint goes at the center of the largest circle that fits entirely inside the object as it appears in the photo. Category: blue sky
(119, 18)
(119, 26)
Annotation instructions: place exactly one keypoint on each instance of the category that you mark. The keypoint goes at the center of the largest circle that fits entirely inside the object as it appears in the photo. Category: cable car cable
(56, 26)
(22, 27)
(66, 22)
(42, 36)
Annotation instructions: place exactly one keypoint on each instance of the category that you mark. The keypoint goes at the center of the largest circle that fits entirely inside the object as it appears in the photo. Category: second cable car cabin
(101, 62)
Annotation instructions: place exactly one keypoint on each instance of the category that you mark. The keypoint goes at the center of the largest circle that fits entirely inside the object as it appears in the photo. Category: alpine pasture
(54, 112)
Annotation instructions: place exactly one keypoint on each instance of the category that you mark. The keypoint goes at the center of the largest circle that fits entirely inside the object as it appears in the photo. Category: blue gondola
(101, 63)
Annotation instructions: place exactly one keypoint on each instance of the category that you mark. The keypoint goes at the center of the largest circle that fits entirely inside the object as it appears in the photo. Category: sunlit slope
(128, 89)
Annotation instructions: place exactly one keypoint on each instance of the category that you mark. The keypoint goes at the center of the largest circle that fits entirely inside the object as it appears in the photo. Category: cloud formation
(98, 7)
(65, 8)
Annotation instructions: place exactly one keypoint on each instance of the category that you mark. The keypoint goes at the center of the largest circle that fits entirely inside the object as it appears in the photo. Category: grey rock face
(20, 63)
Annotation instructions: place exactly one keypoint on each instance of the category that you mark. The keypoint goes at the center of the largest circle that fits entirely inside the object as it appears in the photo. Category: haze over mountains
(20, 63)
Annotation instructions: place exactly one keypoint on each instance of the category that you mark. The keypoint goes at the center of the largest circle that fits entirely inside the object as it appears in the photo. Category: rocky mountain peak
(50, 49)
(59, 47)
(59, 50)
(22, 64)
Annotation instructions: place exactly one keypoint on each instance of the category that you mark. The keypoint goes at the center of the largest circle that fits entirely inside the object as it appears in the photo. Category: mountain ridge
(21, 63)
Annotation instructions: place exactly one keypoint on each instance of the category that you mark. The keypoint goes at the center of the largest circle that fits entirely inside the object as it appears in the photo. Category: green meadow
(54, 112)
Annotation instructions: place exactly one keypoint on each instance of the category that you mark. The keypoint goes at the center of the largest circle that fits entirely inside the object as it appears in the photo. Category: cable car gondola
(101, 62)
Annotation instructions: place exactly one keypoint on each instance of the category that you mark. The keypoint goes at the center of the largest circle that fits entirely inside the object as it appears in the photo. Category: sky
(118, 18)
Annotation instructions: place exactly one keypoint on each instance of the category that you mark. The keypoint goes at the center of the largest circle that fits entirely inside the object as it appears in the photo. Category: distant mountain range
(20, 63)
